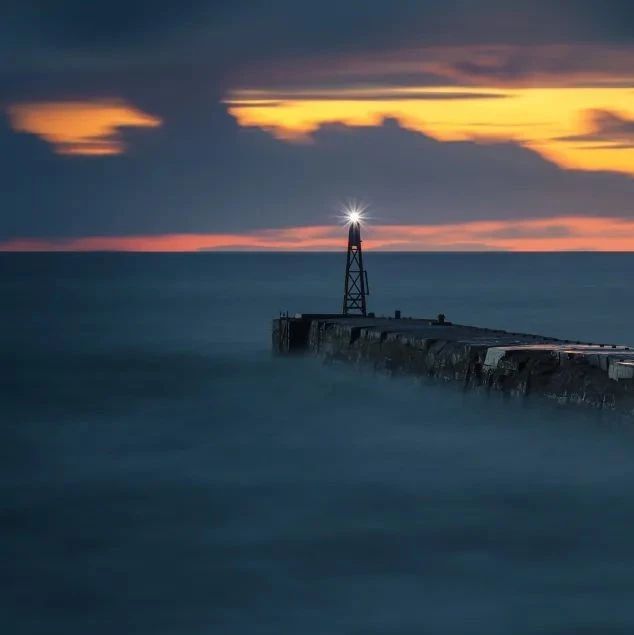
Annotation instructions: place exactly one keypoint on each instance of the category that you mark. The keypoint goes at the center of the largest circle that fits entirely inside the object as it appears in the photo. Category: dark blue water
(161, 474)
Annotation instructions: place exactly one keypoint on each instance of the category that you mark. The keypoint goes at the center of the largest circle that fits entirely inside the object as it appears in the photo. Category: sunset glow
(80, 127)
(552, 234)
(212, 123)
(556, 122)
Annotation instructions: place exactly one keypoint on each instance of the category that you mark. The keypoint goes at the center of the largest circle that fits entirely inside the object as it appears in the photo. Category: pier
(520, 364)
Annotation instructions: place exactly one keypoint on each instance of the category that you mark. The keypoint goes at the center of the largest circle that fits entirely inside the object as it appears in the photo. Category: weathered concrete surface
(601, 376)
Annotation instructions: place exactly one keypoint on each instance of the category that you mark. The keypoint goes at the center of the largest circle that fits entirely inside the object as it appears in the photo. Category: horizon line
(531, 235)
(315, 251)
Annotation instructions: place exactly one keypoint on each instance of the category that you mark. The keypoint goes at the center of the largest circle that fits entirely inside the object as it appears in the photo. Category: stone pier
(583, 373)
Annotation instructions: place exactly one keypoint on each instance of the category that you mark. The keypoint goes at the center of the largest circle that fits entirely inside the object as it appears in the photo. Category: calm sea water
(160, 473)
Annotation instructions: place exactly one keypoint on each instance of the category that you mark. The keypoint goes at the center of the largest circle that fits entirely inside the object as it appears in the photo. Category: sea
(162, 474)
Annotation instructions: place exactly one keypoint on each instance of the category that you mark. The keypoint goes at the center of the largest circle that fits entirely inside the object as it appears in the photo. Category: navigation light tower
(356, 283)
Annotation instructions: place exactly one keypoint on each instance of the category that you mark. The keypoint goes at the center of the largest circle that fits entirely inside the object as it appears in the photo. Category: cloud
(43, 36)
(543, 119)
(608, 129)
(202, 174)
(199, 172)
(484, 65)
(560, 65)
(552, 234)
(555, 234)
(80, 127)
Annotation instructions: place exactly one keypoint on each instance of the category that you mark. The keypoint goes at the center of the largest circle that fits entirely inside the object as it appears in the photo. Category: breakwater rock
(596, 375)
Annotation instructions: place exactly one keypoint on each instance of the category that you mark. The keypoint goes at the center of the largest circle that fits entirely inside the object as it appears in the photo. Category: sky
(193, 126)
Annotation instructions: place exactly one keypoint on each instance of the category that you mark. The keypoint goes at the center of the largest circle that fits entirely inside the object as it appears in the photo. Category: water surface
(162, 474)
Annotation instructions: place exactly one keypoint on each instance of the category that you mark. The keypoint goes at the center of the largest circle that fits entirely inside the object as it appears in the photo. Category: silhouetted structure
(356, 283)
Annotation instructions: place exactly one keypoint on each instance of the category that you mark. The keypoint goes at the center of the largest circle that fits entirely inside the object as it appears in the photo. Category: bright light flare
(354, 214)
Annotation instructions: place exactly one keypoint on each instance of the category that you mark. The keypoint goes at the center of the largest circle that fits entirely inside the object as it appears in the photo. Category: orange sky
(553, 234)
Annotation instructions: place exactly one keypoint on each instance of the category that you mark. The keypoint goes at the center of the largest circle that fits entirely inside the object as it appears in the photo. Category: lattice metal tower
(356, 284)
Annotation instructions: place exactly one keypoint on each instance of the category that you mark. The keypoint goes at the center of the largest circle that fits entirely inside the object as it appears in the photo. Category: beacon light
(353, 214)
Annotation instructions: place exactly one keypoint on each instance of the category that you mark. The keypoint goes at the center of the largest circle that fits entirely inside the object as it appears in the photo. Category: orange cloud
(299, 238)
(552, 234)
(551, 121)
(80, 127)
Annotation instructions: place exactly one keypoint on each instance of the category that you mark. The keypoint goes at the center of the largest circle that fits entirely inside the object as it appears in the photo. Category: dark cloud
(74, 24)
(204, 174)
(609, 127)
(555, 64)
(477, 65)
(316, 24)
(233, 34)
(200, 172)
(159, 54)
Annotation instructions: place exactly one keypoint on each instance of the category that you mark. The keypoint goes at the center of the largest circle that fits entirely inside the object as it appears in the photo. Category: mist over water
(162, 474)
